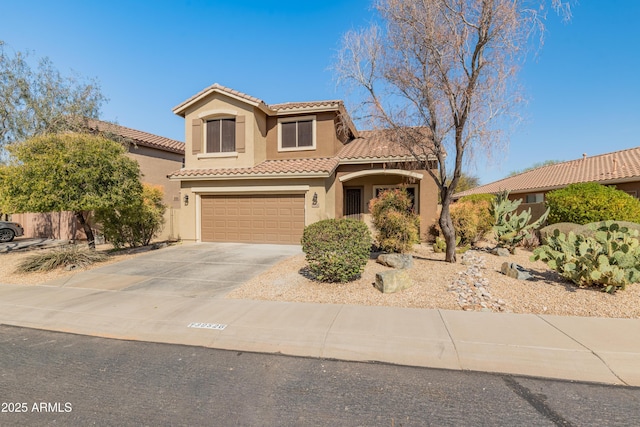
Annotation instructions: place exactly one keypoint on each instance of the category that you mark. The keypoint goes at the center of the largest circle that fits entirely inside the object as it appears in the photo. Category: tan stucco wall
(189, 215)
(327, 142)
(253, 136)
(155, 165)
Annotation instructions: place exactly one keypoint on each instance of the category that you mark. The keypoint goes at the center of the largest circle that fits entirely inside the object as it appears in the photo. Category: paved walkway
(117, 304)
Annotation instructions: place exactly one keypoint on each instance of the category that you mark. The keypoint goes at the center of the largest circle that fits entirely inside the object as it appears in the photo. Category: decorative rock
(471, 289)
(514, 270)
(396, 260)
(500, 251)
(392, 281)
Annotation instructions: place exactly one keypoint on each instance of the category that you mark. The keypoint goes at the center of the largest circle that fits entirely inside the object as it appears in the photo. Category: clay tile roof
(302, 105)
(605, 168)
(269, 167)
(373, 144)
(138, 137)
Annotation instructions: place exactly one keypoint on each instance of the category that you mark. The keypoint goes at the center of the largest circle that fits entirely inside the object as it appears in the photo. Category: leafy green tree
(68, 172)
(466, 182)
(136, 223)
(41, 100)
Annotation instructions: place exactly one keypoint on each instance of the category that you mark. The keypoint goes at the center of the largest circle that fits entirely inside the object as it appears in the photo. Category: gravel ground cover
(474, 283)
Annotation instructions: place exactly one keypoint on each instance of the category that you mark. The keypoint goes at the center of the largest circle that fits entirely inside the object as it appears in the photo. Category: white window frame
(416, 191)
(297, 119)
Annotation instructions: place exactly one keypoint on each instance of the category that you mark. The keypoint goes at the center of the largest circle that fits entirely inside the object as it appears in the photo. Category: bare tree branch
(448, 66)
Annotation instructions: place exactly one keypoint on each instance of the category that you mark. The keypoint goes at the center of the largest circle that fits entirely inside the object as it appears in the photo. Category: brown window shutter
(196, 136)
(240, 134)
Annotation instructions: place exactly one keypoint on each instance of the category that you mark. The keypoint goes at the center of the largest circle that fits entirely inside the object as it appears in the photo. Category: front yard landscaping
(437, 285)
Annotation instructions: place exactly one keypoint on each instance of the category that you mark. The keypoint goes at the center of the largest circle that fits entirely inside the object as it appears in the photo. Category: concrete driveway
(196, 269)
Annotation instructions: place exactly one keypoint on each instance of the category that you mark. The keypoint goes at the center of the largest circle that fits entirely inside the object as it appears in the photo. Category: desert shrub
(591, 202)
(472, 220)
(137, 223)
(609, 259)
(61, 257)
(336, 249)
(396, 223)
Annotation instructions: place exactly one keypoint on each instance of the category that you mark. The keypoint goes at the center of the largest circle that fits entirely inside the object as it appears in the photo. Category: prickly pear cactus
(511, 229)
(611, 258)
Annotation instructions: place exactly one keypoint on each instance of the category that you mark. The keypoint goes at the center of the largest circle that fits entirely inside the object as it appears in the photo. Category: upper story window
(221, 136)
(218, 133)
(297, 133)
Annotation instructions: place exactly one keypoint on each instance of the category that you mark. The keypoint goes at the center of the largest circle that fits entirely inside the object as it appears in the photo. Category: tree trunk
(449, 232)
(86, 228)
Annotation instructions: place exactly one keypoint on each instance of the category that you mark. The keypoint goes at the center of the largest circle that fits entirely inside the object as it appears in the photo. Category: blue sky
(149, 56)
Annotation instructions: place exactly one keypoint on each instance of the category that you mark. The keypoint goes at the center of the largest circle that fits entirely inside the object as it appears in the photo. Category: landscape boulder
(392, 281)
(511, 269)
(500, 251)
(395, 260)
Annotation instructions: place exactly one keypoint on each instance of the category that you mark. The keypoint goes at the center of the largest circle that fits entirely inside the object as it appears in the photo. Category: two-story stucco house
(260, 173)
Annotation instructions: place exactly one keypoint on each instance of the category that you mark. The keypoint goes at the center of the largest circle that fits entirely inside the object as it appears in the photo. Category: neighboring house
(620, 169)
(260, 173)
(157, 157)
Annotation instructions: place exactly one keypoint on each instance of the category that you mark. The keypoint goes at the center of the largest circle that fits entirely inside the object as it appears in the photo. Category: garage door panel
(253, 218)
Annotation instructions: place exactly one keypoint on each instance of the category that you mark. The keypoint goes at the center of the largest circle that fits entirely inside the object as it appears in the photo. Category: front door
(353, 203)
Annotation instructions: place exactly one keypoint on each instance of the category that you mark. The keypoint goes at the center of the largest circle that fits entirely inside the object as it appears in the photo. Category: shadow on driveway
(25, 244)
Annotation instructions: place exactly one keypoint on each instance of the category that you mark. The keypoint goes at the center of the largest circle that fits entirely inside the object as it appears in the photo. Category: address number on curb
(216, 326)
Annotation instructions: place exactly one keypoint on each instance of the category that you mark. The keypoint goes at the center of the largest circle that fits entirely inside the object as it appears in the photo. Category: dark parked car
(9, 230)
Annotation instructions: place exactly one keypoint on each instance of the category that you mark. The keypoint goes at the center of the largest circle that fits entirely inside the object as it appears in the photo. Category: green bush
(396, 223)
(336, 249)
(609, 259)
(135, 224)
(591, 202)
(61, 257)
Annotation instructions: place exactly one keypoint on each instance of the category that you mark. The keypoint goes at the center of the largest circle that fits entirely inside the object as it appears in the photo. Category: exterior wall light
(186, 200)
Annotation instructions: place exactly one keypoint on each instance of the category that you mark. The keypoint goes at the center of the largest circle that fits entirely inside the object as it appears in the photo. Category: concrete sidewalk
(572, 348)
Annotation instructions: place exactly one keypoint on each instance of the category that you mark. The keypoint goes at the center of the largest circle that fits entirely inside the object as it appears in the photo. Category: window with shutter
(221, 136)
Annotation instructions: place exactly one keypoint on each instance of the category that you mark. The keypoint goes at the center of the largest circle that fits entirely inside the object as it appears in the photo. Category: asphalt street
(49, 378)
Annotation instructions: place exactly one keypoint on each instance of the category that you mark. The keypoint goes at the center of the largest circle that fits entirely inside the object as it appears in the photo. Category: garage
(268, 218)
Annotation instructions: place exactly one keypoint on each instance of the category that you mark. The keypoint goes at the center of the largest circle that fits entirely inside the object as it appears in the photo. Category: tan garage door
(253, 218)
